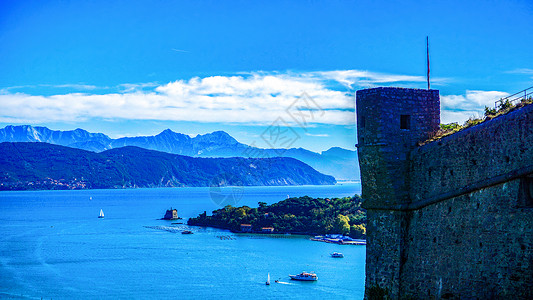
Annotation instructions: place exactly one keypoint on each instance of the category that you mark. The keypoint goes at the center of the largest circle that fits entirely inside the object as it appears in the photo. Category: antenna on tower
(427, 51)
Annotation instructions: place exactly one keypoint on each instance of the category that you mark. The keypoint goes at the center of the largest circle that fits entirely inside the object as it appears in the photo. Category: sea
(54, 246)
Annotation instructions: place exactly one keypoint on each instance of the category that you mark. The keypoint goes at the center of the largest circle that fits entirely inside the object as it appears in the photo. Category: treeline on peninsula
(302, 215)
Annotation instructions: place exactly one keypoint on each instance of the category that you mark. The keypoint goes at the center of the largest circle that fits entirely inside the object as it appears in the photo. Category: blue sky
(139, 67)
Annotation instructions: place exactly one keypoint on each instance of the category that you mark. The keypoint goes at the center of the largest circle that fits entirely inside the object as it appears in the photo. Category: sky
(129, 68)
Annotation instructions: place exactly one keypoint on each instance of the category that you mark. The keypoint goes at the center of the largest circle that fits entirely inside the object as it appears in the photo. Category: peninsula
(301, 215)
(41, 166)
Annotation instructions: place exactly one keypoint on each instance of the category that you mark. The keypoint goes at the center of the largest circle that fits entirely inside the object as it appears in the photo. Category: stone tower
(390, 123)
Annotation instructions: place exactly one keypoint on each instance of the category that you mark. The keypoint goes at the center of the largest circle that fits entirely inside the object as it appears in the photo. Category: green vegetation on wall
(490, 113)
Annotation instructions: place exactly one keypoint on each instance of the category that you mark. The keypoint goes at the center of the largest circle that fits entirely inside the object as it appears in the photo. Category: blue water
(52, 245)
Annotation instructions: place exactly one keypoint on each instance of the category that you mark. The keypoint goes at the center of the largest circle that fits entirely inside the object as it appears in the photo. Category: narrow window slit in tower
(405, 122)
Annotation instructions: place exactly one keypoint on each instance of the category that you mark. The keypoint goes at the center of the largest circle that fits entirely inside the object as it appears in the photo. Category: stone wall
(474, 246)
(452, 218)
(489, 153)
(383, 144)
(383, 265)
(470, 233)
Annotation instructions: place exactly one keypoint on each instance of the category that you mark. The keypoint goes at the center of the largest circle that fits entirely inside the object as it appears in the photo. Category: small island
(171, 214)
(301, 215)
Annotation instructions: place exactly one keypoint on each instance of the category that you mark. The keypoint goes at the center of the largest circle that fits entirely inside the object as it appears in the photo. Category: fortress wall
(474, 246)
(470, 231)
(449, 219)
(385, 248)
(496, 150)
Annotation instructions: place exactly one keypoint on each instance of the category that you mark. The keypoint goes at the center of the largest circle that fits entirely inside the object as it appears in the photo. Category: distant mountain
(26, 166)
(28, 133)
(338, 162)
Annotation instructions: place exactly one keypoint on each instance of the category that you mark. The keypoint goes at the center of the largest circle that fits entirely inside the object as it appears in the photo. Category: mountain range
(28, 166)
(337, 162)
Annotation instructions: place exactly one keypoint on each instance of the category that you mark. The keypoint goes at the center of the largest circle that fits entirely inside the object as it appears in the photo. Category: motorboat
(304, 276)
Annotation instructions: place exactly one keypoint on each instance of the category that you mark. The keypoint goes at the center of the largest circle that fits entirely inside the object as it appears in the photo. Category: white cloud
(525, 71)
(458, 108)
(367, 79)
(133, 87)
(522, 71)
(317, 135)
(257, 98)
(74, 86)
(254, 98)
(180, 50)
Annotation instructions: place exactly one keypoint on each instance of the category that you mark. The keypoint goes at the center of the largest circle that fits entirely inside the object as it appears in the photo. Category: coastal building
(450, 218)
(246, 228)
(171, 214)
(267, 229)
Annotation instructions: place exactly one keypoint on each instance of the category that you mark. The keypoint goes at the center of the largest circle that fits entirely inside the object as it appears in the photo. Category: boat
(337, 255)
(304, 276)
(186, 232)
(268, 279)
(101, 216)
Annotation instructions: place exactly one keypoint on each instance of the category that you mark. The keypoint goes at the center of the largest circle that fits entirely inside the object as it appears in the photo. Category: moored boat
(304, 276)
(186, 232)
(337, 255)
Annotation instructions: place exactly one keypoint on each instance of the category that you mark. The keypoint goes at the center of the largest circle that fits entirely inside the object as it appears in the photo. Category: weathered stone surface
(473, 156)
(475, 246)
(452, 218)
(383, 144)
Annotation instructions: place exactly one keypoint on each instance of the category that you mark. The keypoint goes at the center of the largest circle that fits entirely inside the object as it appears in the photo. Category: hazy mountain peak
(217, 136)
(220, 132)
(167, 131)
(337, 151)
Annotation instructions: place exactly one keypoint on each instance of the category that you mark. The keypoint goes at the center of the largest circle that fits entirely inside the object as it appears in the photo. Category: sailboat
(101, 216)
(268, 279)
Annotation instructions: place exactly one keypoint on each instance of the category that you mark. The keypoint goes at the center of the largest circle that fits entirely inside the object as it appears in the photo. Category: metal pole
(427, 51)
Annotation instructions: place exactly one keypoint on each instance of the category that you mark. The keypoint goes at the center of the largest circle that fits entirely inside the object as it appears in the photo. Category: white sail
(268, 279)
(101, 214)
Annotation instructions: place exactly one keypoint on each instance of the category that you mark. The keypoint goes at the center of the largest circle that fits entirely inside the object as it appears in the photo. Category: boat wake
(176, 229)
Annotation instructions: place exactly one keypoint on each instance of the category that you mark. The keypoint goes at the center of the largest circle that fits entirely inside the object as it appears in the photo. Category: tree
(240, 212)
(358, 231)
(342, 224)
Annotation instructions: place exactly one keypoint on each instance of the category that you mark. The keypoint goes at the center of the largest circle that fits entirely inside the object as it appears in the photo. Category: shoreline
(339, 241)
(168, 187)
(345, 240)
